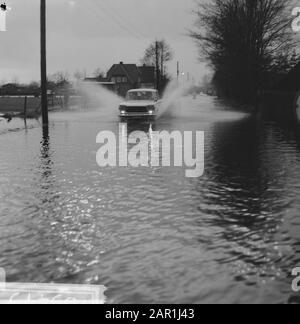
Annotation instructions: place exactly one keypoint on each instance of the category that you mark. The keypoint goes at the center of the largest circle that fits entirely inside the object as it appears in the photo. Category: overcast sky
(90, 34)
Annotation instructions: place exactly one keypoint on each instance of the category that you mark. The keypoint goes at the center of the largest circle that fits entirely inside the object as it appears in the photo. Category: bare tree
(159, 52)
(244, 40)
(98, 73)
(2, 82)
(15, 80)
(60, 78)
(78, 75)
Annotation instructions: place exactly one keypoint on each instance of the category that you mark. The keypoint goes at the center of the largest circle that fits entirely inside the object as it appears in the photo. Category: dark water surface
(151, 235)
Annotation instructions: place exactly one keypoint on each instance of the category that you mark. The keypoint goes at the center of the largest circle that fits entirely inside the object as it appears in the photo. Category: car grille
(137, 109)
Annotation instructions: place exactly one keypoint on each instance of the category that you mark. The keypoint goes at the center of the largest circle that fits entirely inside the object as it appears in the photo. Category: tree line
(248, 43)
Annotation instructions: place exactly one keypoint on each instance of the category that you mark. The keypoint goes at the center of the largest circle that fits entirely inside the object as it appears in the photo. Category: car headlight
(151, 109)
(122, 109)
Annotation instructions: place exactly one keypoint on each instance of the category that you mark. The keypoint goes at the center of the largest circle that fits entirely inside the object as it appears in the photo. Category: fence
(27, 105)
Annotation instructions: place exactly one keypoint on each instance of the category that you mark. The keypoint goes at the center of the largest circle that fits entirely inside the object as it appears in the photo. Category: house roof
(143, 74)
(129, 70)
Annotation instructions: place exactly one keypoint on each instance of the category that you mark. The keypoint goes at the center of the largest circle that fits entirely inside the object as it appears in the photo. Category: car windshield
(141, 95)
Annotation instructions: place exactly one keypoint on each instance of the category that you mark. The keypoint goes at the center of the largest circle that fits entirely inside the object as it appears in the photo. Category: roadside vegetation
(248, 44)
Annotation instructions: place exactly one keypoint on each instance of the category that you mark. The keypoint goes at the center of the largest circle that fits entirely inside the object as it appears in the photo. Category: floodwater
(151, 235)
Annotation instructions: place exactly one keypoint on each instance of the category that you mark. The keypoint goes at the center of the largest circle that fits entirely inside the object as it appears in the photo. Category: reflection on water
(151, 234)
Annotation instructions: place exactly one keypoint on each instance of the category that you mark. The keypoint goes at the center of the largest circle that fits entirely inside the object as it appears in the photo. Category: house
(130, 76)
(123, 77)
(11, 89)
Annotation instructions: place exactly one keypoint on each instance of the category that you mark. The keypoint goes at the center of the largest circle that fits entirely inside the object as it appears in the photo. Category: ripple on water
(152, 235)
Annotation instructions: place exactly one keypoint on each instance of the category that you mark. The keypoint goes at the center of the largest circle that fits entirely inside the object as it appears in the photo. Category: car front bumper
(137, 114)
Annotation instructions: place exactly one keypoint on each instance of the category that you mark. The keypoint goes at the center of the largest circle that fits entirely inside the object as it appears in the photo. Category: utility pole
(157, 66)
(178, 71)
(162, 72)
(44, 99)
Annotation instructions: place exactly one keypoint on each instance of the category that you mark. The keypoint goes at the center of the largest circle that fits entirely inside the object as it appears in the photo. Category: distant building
(125, 77)
(104, 82)
(11, 89)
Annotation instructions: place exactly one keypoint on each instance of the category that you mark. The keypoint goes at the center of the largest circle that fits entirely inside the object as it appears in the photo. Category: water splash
(180, 101)
(98, 103)
(106, 102)
(172, 97)
(96, 97)
(93, 102)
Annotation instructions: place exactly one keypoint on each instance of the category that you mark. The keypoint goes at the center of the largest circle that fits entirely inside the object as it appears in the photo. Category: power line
(99, 14)
(103, 12)
(127, 21)
(117, 21)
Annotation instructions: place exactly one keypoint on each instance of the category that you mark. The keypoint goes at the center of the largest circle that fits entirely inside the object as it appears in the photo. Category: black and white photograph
(149, 154)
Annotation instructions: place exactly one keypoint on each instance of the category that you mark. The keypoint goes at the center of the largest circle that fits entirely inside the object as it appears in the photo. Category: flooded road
(151, 235)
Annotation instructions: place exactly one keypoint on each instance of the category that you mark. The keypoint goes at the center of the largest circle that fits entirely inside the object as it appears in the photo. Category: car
(140, 103)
